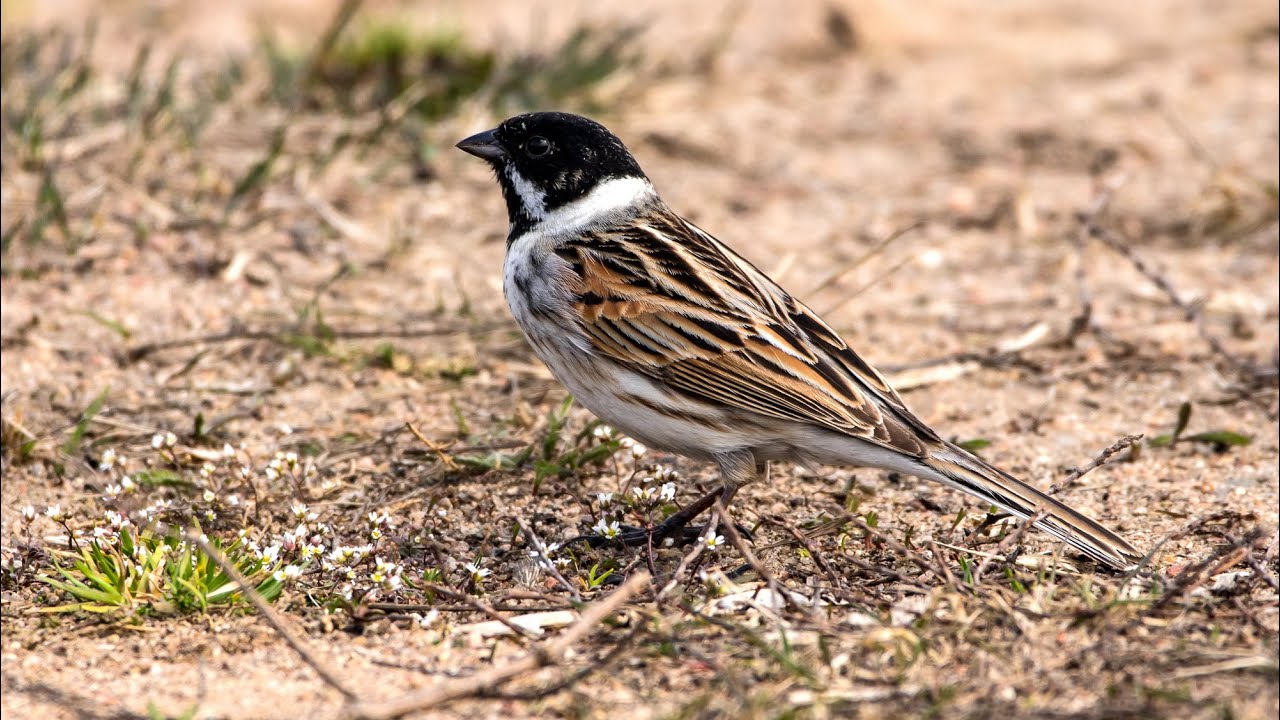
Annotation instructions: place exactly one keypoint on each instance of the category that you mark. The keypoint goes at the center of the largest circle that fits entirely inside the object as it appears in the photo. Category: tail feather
(965, 472)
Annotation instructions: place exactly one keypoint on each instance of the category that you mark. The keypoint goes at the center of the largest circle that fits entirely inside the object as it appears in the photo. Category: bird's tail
(963, 471)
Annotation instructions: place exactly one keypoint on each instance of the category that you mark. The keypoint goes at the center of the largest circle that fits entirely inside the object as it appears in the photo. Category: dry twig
(1102, 459)
(547, 653)
(328, 675)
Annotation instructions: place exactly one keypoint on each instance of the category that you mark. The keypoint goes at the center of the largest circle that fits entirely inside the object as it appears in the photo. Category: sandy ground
(803, 143)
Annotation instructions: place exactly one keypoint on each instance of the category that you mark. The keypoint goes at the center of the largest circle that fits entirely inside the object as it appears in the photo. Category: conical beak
(483, 145)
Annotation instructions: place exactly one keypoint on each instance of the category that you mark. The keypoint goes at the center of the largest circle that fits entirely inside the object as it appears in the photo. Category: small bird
(665, 333)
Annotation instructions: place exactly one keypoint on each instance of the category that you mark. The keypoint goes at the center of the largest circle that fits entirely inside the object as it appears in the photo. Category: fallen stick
(552, 651)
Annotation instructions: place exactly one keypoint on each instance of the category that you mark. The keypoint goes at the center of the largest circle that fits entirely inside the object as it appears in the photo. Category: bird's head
(548, 161)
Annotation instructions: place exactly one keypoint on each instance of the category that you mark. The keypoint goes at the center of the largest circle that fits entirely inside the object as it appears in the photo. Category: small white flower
(109, 459)
(228, 451)
(638, 450)
(128, 484)
(426, 621)
(562, 562)
(292, 572)
(668, 492)
(602, 432)
(270, 553)
(299, 510)
(478, 573)
(605, 498)
(279, 576)
(209, 496)
(210, 515)
(642, 494)
(607, 529)
(157, 441)
(113, 490)
(28, 513)
(375, 534)
(170, 439)
(712, 542)
(54, 512)
(233, 500)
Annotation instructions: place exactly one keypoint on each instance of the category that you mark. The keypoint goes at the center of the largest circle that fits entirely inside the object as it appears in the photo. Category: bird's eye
(537, 146)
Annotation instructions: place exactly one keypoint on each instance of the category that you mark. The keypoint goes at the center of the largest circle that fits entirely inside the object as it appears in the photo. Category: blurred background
(1053, 223)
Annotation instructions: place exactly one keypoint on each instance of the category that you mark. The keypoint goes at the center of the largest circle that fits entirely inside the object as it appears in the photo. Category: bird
(665, 333)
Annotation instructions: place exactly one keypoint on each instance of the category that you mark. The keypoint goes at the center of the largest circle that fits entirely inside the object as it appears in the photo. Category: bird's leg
(736, 469)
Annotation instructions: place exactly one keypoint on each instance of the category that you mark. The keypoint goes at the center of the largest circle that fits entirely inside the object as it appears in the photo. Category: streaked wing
(665, 299)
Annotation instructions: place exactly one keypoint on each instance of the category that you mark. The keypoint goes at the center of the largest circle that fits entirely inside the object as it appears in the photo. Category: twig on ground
(548, 653)
(878, 248)
(263, 608)
(535, 543)
(1083, 320)
(482, 607)
(281, 335)
(437, 448)
(735, 539)
(1218, 561)
(1192, 313)
(915, 557)
(1102, 459)
(698, 547)
(818, 558)
(1010, 540)
(574, 678)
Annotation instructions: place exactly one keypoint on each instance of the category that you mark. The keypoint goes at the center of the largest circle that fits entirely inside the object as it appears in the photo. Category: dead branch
(328, 675)
(550, 652)
(1102, 459)
(1192, 313)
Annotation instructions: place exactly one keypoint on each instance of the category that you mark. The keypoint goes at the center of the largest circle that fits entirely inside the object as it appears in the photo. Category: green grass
(151, 572)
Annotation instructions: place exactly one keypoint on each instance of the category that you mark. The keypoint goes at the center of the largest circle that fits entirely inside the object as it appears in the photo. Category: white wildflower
(109, 459)
(668, 492)
(608, 530)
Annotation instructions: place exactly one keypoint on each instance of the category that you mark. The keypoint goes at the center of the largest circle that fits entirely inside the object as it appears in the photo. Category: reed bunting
(668, 335)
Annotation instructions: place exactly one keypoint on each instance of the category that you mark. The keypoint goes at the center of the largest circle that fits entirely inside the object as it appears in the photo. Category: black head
(546, 160)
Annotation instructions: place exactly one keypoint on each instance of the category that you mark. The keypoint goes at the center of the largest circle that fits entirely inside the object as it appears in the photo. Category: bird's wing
(663, 298)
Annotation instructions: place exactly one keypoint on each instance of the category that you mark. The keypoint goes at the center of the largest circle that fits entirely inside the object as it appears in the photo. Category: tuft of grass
(150, 572)
(433, 71)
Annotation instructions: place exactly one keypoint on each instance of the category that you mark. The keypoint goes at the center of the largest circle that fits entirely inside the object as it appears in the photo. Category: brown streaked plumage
(667, 334)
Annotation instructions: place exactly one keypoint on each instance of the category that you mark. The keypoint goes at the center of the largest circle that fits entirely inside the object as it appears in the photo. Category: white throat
(607, 198)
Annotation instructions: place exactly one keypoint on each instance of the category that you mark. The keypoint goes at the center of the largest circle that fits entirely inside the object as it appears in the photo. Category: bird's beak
(483, 145)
